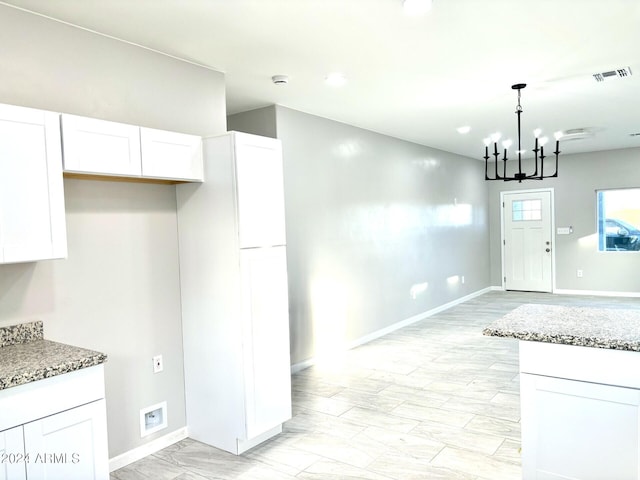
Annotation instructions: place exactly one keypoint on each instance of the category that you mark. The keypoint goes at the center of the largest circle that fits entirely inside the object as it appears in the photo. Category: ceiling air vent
(619, 73)
(577, 134)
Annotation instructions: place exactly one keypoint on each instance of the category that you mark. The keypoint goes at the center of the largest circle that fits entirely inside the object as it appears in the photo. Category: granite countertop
(612, 328)
(25, 356)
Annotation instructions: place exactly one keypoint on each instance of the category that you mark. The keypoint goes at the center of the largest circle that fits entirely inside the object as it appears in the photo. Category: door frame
(553, 232)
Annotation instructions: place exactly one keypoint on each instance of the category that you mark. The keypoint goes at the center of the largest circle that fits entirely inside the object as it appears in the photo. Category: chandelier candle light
(539, 147)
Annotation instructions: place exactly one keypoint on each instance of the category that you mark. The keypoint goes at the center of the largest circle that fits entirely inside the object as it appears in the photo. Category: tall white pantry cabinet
(235, 309)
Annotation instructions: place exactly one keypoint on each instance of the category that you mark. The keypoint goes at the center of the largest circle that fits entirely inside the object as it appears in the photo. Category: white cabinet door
(32, 222)
(260, 191)
(265, 332)
(100, 147)
(171, 155)
(579, 430)
(70, 445)
(12, 460)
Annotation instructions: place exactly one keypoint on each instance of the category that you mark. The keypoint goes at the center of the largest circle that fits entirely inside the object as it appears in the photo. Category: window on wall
(618, 220)
(523, 210)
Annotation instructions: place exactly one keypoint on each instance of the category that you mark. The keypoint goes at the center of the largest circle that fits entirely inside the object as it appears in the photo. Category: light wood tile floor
(434, 400)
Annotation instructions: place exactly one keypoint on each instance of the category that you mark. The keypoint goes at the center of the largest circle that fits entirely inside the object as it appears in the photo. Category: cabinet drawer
(24, 403)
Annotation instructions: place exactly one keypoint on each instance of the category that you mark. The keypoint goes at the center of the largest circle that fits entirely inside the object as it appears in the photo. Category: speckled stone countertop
(612, 328)
(25, 356)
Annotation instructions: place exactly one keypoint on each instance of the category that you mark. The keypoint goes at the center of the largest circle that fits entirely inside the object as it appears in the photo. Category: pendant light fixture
(540, 142)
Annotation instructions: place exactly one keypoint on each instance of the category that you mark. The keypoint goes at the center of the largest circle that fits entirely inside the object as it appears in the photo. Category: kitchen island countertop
(610, 328)
(25, 356)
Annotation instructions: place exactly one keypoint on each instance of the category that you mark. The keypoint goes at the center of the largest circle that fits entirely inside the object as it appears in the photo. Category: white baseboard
(297, 367)
(147, 449)
(496, 288)
(597, 293)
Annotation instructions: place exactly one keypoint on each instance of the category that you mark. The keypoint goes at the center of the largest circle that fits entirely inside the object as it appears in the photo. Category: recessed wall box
(153, 419)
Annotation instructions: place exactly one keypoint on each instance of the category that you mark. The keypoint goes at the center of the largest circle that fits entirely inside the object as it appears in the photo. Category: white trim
(244, 445)
(551, 191)
(495, 288)
(297, 367)
(597, 293)
(147, 449)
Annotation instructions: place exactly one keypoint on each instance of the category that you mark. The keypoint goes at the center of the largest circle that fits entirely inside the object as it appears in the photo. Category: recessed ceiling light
(464, 129)
(335, 79)
(416, 7)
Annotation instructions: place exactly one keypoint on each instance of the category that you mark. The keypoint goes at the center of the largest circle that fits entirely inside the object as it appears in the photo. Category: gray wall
(118, 292)
(370, 217)
(261, 121)
(579, 176)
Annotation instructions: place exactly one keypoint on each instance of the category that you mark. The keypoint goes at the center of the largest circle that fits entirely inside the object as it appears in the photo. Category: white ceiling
(416, 78)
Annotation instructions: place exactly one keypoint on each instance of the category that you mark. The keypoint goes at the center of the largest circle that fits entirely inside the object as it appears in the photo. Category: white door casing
(527, 240)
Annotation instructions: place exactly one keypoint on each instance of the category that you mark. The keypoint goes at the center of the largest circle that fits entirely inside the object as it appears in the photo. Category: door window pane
(526, 210)
(618, 216)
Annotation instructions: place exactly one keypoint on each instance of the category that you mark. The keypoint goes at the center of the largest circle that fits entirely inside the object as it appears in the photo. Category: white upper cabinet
(32, 222)
(99, 147)
(171, 155)
(260, 191)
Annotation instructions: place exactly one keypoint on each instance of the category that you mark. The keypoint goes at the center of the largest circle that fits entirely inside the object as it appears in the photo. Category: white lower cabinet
(580, 412)
(58, 428)
(68, 445)
(12, 466)
(579, 430)
(266, 342)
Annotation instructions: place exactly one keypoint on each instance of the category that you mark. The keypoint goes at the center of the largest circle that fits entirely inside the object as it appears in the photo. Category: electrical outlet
(579, 273)
(158, 366)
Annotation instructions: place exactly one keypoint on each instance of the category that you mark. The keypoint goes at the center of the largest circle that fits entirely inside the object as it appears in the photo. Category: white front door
(527, 242)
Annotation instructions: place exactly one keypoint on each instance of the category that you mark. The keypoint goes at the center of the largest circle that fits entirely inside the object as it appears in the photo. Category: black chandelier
(538, 173)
